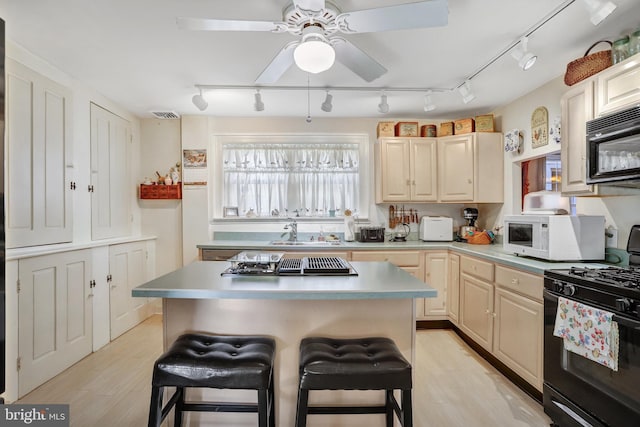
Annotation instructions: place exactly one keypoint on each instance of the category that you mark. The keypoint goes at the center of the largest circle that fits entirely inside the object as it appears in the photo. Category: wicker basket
(588, 65)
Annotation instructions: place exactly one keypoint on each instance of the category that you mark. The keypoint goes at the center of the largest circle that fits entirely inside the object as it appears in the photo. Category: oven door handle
(621, 320)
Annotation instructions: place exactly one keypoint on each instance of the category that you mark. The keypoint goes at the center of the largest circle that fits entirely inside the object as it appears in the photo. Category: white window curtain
(310, 179)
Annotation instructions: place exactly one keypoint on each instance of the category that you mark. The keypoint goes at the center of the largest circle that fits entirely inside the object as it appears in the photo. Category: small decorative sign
(554, 130)
(512, 141)
(195, 170)
(539, 127)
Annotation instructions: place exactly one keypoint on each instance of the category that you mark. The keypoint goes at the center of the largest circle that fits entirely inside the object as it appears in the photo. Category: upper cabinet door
(577, 109)
(618, 86)
(110, 165)
(424, 173)
(39, 206)
(456, 168)
(395, 170)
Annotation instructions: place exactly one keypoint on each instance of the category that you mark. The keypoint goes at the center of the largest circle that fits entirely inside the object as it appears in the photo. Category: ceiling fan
(317, 22)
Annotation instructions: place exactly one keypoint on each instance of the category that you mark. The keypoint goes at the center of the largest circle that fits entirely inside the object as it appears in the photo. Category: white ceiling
(132, 52)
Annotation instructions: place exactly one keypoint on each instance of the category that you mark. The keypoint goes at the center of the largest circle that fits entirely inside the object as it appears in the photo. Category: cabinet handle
(487, 311)
(514, 281)
(469, 181)
(413, 182)
(494, 314)
(408, 182)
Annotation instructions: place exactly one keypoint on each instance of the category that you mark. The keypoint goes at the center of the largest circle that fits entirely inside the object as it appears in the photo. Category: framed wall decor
(230, 211)
(539, 127)
(194, 171)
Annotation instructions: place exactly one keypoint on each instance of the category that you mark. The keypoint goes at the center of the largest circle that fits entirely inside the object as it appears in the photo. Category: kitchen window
(315, 176)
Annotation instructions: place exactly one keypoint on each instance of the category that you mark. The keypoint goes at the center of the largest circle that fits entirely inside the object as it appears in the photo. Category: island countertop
(203, 280)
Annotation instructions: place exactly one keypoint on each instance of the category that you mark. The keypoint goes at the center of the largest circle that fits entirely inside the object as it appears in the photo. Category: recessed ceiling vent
(166, 115)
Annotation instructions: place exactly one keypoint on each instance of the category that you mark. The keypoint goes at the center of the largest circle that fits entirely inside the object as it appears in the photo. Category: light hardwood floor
(453, 387)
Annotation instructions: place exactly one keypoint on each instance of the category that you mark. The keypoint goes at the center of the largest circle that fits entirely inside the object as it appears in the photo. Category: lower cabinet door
(476, 310)
(55, 315)
(518, 338)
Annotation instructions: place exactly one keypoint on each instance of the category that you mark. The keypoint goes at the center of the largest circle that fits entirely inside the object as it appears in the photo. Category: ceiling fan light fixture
(327, 105)
(314, 54)
(428, 103)
(258, 105)
(466, 92)
(525, 58)
(199, 101)
(599, 10)
(383, 107)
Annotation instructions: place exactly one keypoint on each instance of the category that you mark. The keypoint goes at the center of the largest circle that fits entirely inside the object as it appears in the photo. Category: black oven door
(613, 144)
(575, 385)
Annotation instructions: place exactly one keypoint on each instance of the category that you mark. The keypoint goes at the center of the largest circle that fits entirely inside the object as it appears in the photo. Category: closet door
(110, 166)
(39, 204)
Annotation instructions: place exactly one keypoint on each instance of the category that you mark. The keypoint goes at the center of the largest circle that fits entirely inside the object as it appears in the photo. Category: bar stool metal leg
(301, 412)
(407, 412)
(388, 403)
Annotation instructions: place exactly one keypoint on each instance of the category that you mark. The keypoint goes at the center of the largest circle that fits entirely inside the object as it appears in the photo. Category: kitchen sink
(304, 243)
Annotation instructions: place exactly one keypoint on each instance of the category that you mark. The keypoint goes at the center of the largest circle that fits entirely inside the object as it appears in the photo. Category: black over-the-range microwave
(613, 147)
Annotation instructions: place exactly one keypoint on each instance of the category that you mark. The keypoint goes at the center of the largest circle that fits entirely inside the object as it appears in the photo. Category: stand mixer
(471, 215)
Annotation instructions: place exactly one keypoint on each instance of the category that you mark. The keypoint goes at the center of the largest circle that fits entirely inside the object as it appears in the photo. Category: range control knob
(558, 285)
(569, 289)
(623, 305)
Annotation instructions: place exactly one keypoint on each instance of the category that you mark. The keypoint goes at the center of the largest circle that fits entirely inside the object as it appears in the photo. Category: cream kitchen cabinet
(576, 109)
(618, 87)
(453, 289)
(54, 315)
(406, 170)
(110, 184)
(436, 275)
(39, 183)
(471, 168)
(518, 333)
(501, 309)
(476, 300)
(130, 265)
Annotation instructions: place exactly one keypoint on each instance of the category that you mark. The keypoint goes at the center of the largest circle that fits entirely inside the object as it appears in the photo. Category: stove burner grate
(628, 277)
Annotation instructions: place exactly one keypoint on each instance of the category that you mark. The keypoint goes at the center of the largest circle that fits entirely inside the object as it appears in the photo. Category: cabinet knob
(469, 181)
(487, 311)
(514, 281)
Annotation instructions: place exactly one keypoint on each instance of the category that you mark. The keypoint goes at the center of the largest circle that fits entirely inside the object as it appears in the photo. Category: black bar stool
(215, 361)
(354, 364)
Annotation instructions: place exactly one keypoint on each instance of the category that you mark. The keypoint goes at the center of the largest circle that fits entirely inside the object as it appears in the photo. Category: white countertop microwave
(555, 237)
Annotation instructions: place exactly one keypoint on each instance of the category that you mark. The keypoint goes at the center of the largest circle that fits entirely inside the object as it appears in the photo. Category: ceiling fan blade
(201, 24)
(313, 5)
(356, 60)
(278, 65)
(422, 14)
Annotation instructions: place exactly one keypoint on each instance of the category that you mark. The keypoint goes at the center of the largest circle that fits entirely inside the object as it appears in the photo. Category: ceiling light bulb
(199, 101)
(525, 59)
(599, 10)
(327, 105)
(428, 103)
(258, 105)
(466, 93)
(314, 54)
(383, 107)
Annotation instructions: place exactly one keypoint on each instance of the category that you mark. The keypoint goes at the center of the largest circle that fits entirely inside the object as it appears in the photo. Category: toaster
(436, 229)
(371, 234)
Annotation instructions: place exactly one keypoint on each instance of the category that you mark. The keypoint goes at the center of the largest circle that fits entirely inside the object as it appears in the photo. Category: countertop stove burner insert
(271, 264)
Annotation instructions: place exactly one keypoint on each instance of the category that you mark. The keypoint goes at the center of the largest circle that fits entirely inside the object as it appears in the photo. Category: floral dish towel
(588, 331)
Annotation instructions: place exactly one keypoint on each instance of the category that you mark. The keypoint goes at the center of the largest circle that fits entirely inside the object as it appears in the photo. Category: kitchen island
(379, 301)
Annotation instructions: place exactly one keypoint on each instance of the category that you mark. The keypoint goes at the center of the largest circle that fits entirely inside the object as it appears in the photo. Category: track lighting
(383, 107)
(199, 101)
(465, 92)
(327, 106)
(258, 105)
(428, 102)
(314, 54)
(599, 9)
(525, 58)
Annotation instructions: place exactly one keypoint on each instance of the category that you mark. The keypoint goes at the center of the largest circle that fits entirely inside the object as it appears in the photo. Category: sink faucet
(293, 230)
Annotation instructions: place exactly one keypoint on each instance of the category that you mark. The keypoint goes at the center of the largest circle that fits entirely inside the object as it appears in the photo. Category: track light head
(525, 58)
(199, 101)
(428, 102)
(383, 107)
(599, 10)
(258, 105)
(465, 92)
(327, 105)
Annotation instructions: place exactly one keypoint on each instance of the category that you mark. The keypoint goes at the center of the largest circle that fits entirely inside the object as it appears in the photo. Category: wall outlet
(611, 238)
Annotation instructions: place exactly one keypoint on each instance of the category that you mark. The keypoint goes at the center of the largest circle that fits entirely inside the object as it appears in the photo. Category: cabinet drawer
(343, 255)
(399, 258)
(477, 268)
(217, 254)
(518, 281)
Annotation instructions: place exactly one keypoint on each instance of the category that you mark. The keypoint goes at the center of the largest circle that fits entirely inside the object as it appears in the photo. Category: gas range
(274, 264)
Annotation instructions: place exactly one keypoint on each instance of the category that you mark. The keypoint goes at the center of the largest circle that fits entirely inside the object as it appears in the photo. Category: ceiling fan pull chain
(308, 100)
